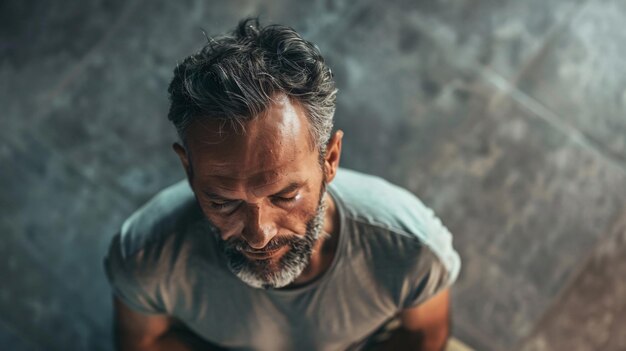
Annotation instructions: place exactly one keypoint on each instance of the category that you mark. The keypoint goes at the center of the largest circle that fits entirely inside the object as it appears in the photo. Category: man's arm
(144, 332)
(423, 328)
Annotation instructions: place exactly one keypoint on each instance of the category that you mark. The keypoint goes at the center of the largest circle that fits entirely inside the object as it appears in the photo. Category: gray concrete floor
(507, 117)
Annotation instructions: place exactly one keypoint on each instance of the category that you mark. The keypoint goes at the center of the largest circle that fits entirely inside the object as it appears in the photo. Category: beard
(267, 273)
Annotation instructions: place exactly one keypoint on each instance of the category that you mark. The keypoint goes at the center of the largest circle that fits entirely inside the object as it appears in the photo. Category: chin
(275, 272)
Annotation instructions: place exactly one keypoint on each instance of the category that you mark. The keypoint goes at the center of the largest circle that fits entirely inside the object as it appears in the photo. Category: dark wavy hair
(235, 76)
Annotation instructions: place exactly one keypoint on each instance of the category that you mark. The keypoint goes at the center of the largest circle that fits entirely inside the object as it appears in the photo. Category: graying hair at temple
(234, 77)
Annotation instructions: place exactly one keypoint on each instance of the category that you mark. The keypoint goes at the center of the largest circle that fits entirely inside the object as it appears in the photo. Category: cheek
(229, 226)
(289, 222)
(295, 220)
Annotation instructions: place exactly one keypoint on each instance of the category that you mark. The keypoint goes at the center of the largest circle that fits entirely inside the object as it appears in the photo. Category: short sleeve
(439, 263)
(130, 281)
(429, 276)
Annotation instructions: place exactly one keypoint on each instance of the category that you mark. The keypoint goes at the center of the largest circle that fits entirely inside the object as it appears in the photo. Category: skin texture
(238, 180)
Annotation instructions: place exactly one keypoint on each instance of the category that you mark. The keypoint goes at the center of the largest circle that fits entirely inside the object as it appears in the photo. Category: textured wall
(507, 117)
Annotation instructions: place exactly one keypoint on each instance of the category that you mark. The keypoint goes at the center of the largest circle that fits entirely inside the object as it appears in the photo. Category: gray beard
(267, 274)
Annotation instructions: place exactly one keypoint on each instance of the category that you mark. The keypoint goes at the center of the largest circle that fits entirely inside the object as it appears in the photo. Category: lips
(261, 255)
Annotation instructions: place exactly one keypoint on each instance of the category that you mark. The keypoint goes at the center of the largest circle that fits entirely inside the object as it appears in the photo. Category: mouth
(261, 255)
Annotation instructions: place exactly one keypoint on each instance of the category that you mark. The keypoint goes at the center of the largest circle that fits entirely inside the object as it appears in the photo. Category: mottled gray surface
(592, 311)
(9, 337)
(507, 117)
(580, 76)
(525, 202)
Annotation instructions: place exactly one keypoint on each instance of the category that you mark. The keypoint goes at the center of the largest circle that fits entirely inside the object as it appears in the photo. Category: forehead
(273, 146)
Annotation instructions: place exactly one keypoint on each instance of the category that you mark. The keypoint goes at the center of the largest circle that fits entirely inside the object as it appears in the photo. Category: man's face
(263, 189)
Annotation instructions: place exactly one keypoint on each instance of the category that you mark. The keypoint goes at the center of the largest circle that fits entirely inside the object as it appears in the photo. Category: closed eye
(221, 205)
(286, 199)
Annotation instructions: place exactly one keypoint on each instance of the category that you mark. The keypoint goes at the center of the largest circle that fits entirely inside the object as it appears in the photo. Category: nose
(259, 228)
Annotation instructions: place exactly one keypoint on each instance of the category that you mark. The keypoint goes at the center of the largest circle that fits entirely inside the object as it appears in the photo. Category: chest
(330, 317)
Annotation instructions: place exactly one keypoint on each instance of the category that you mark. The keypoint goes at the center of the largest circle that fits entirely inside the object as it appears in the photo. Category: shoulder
(373, 198)
(395, 217)
(162, 235)
(155, 247)
(170, 211)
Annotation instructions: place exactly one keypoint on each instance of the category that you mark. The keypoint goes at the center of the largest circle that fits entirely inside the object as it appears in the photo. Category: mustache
(237, 244)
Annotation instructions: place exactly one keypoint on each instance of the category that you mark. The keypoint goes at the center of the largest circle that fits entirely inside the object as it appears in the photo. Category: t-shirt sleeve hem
(124, 284)
(134, 306)
(433, 277)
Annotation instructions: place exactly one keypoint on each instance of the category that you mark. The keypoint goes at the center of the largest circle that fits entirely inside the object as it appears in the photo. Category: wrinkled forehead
(264, 148)
(257, 184)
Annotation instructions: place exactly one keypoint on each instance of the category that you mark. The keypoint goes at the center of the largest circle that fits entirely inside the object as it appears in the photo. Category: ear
(184, 159)
(333, 154)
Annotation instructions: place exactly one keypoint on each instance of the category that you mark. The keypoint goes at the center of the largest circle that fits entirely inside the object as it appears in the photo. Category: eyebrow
(289, 188)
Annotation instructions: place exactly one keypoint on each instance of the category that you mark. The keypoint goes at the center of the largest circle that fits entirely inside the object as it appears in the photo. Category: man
(268, 244)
